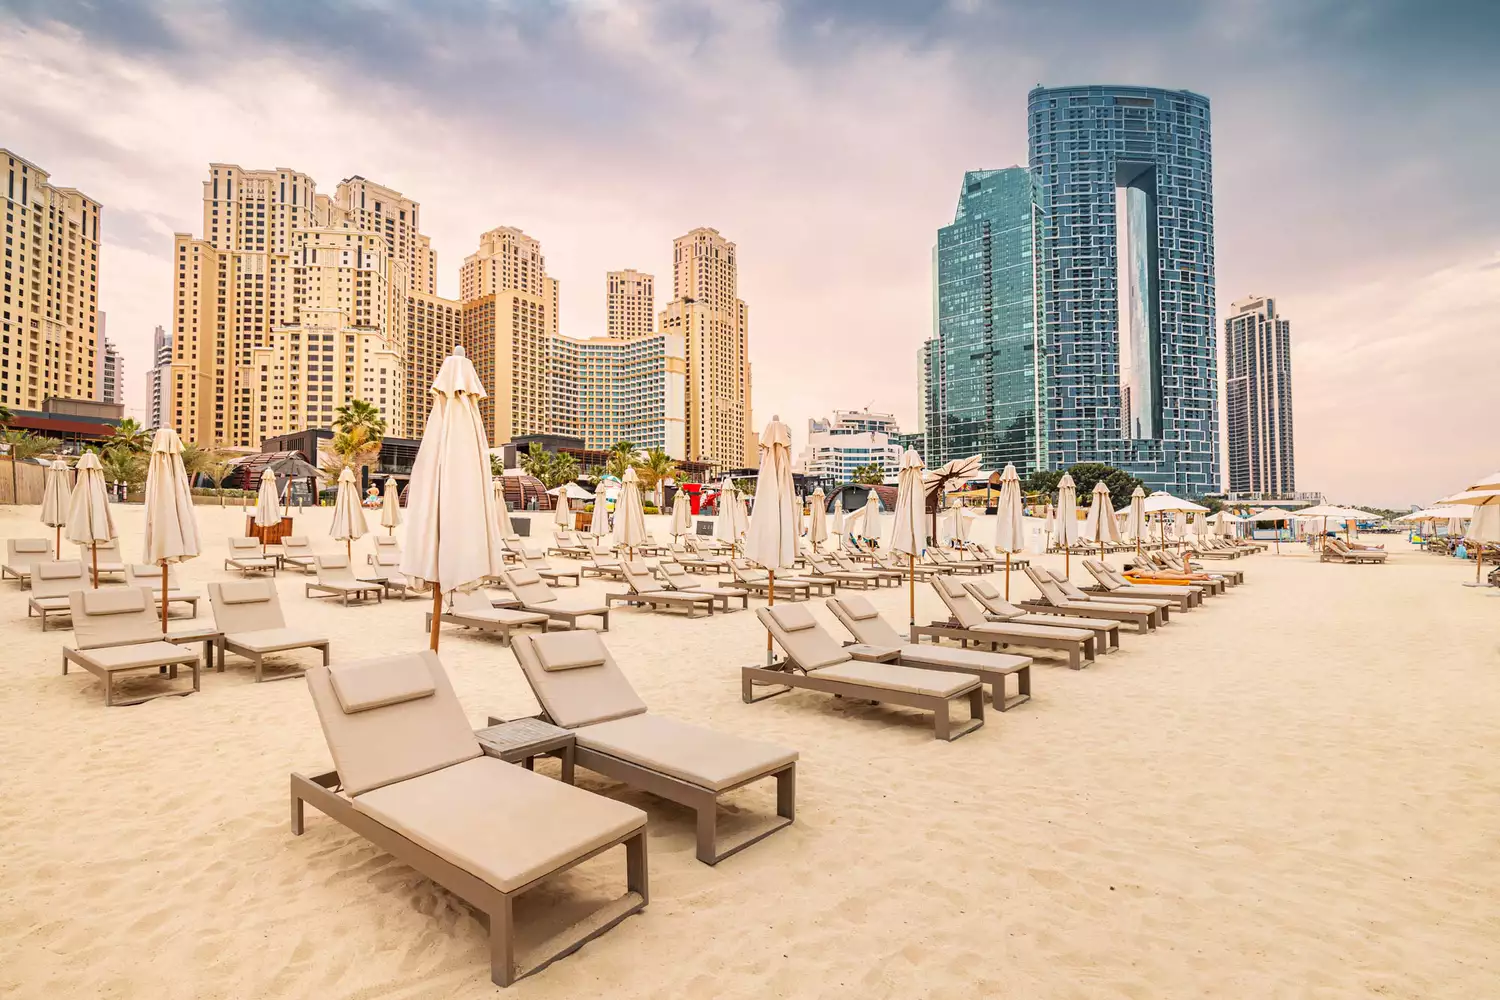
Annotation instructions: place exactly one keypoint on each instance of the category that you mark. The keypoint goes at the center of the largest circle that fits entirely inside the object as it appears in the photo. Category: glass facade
(981, 370)
(1125, 273)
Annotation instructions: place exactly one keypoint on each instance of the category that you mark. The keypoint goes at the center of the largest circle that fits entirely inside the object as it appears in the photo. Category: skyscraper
(509, 260)
(981, 372)
(1258, 393)
(158, 378)
(630, 304)
(50, 319)
(1125, 267)
(433, 326)
(111, 384)
(715, 325)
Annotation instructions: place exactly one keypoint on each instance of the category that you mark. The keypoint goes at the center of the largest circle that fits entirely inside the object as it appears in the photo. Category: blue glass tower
(983, 381)
(1125, 273)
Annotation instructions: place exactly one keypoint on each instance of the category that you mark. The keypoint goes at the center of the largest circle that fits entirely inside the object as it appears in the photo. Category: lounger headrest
(792, 617)
(333, 562)
(113, 601)
(858, 608)
(296, 541)
(382, 541)
(244, 543)
(245, 591)
(950, 586)
(569, 650)
(386, 558)
(64, 569)
(389, 680)
(523, 577)
(984, 589)
(672, 569)
(33, 545)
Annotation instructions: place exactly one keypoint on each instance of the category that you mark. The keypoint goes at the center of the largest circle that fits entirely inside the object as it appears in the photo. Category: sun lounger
(1221, 576)
(939, 556)
(474, 609)
(757, 581)
(248, 613)
(997, 559)
(888, 574)
(245, 556)
(1154, 567)
(552, 574)
(1334, 548)
(51, 583)
(566, 543)
(862, 579)
(21, 554)
(297, 552)
(387, 573)
(115, 633)
(336, 579)
(383, 544)
(859, 616)
(672, 576)
(525, 549)
(412, 779)
(1144, 613)
(532, 591)
(997, 609)
(968, 624)
(105, 557)
(601, 565)
(1115, 585)
(815, 662)
(581, 688)
(147, 577)
(644, 589)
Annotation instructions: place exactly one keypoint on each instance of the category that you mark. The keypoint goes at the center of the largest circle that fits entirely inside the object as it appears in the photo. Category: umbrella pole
(437, 611)
(1067, 559)
(1007, 574)
(57, 549)
(163, 597)
(349, 550)
(94, 552)
(770, 602)
(1478, 562)
(911, 595)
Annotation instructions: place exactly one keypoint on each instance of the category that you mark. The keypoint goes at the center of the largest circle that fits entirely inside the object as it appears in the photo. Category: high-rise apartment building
(1123, 180)
(291, 304)
(853, 438)
(111, 380)
(608, 389)
(158, 378)
(433, 326)
(506, 335)
(1258, 394)
(630, 304)
(50, 325)
(714, 324)
(982, 372)
(509, 260)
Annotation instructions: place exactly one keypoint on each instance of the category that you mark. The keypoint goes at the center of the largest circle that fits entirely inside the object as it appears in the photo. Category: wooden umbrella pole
(349, 550)
(1478, 562)
(437, 611)
(911, 595)
(163, 597)
(1007, 574)
(94, 552)
(1067, 559)
(770, 602)
(57, 548)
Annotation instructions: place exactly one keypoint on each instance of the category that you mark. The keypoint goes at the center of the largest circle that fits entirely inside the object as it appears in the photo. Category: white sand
(1292, 792)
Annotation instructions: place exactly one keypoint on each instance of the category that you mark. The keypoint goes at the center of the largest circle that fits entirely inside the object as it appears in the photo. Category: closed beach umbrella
(390, 506)
(171, 526)
(599, 519)
(1009, 523)
(836, 519)
(1100, 526)
(348, 515)
(1200, 527)
(55, 500)
(1179, 526)
(452, 540)
(89, 518)
(771, 539)
(958, 521)
(502, 509)
(909, 534)
(1050, 525)
(562, 515)
(1135, 523)
(730, 525)
(870, 526)
(817, 529)
(1067, 519)
(268, 505)
(630, 513)
(682, 514)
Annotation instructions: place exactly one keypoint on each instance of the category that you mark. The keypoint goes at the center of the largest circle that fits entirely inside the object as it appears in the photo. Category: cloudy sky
(1355, 166)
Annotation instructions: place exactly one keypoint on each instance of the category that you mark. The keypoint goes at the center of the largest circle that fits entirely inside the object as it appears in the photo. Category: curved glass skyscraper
(1123, 183)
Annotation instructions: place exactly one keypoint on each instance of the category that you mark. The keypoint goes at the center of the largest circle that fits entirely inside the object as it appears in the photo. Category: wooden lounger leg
(503, 942)
(949, 732)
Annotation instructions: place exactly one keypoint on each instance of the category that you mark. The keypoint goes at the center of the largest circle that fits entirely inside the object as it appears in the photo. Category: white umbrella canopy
(836, 519)
(502, 509)
(958, 521)
(1100, 527)
(55, 500)
(1067, 511)
(562, 514)
(630, 513)
(348, 515)
(1009, 524)
(869, 524)
(599, 518)
(89, 517)
(1164, 502)
(1180, 526)
(682, 513)
(908, 534)
(1200, 526)
(1135, 523)
(268, 505)
(1050, 523)
(774, 529)
(451, 537)
(1484, 529)
(729, 525)
(390, 506)
(1489, 484)
(171, 529)
(817, 529)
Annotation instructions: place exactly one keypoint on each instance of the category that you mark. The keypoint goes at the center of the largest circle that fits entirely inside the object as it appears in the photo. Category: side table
(521, 741)
(874, 654)
(210, 639)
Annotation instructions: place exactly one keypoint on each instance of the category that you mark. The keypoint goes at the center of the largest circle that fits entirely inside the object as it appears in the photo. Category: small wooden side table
(874, 654)
(521, 741)
(210, 639)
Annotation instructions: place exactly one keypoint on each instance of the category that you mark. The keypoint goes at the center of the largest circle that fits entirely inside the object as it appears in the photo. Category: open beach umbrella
(630, 514)
(1477, 499)
(451, 534)
(1320, 513)
(1484, 529)
(268, 506)
(1009, 524)
(682, 514)
(909, 534)
(772, 537)
(1100, 527)
(937, 482)
(869, 526)
(1271, 515)
(55, 501)
(1067, 519)
(89, 518)
(727, 527)
(171, 530)
(1136, 521)
(348, 515)
(817, 529)
(502, 509)
(390, 506)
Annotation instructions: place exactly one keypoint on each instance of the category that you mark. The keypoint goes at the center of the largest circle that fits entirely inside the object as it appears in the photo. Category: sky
(1354, 167)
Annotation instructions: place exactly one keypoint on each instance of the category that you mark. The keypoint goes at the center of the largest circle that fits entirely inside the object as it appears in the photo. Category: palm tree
(23, 445)
(131, 436)
(656, 468)
(564, 469)
(194, 460)
(358, 414)
(122, 465)
(217, 469)
(619, 458)
(868, 475)
(535, 461)
(5, 416)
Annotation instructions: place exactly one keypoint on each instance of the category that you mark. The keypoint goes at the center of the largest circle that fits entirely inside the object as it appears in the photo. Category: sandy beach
(1291, 792)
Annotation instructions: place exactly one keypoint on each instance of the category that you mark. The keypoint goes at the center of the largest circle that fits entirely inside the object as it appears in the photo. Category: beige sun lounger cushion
(528, 587)
(863, 621)
(810, 647)
(248, 612)
(21, 554)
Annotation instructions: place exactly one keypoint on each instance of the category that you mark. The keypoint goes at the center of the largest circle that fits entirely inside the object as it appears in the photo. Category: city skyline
(838, 119)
